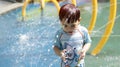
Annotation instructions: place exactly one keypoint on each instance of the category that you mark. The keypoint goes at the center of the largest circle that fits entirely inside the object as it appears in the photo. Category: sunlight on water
(23, 38)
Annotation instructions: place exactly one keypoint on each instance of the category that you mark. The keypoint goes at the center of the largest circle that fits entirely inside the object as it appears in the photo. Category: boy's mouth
(70, 32)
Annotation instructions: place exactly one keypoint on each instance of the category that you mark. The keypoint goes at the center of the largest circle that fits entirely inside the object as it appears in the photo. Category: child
(72, 41)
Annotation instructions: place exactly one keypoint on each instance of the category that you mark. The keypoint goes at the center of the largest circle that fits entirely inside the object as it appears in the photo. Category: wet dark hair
(69, 13)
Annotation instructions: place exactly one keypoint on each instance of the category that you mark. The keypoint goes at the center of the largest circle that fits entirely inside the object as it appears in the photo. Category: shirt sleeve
(57, 40)
(87, 36)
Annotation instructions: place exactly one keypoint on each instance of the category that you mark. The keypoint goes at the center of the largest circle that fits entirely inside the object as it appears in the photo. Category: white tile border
(10, 7)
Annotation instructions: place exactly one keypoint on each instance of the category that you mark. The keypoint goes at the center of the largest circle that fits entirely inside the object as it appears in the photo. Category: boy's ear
(79, 19)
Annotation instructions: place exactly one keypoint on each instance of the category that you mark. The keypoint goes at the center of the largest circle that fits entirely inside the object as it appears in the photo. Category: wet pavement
(6, 6)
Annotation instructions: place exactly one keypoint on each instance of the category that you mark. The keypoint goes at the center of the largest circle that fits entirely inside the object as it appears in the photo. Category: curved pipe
(94, 16)
(105, 37)
(42, 6)
(56, 4)
(74, 2)
(42, 2)
(24, 8)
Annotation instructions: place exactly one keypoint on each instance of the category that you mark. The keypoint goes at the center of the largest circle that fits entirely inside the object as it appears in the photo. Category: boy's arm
(84, 50)
(57, 51)
(87, 41)
(86, 47)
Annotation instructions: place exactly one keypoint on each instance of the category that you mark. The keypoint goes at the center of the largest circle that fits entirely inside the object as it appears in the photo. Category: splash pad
(30, 42)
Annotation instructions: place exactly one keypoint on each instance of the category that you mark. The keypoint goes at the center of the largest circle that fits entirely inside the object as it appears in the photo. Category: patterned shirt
(72, 43)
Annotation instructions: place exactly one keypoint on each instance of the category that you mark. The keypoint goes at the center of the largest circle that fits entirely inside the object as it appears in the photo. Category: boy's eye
(73, 25)
(65, 25)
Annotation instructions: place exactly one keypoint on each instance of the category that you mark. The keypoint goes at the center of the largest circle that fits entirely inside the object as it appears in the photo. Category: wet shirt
(72, 43)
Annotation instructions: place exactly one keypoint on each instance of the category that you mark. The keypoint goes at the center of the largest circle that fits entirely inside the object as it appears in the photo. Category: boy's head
(69, 16)
(70, 13)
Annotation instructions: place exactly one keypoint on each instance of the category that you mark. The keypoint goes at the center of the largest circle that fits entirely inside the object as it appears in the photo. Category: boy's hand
(82, 54)
(63, 56)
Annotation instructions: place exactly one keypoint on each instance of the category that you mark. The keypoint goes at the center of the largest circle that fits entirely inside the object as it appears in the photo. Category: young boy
(72, 41)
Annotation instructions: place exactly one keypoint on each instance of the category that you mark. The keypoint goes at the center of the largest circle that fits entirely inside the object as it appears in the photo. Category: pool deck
(6, 6)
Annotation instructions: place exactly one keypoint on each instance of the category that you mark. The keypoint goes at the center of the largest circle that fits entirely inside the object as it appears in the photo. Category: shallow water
(27, 43)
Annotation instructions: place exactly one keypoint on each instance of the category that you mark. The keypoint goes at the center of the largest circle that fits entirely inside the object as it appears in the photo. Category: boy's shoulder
(82, 28)
(59, 31)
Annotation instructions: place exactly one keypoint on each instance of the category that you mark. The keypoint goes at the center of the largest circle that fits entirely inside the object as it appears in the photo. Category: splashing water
(28, 43)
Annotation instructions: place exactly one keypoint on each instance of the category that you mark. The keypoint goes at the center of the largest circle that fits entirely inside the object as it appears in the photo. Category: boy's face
(70, 27)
